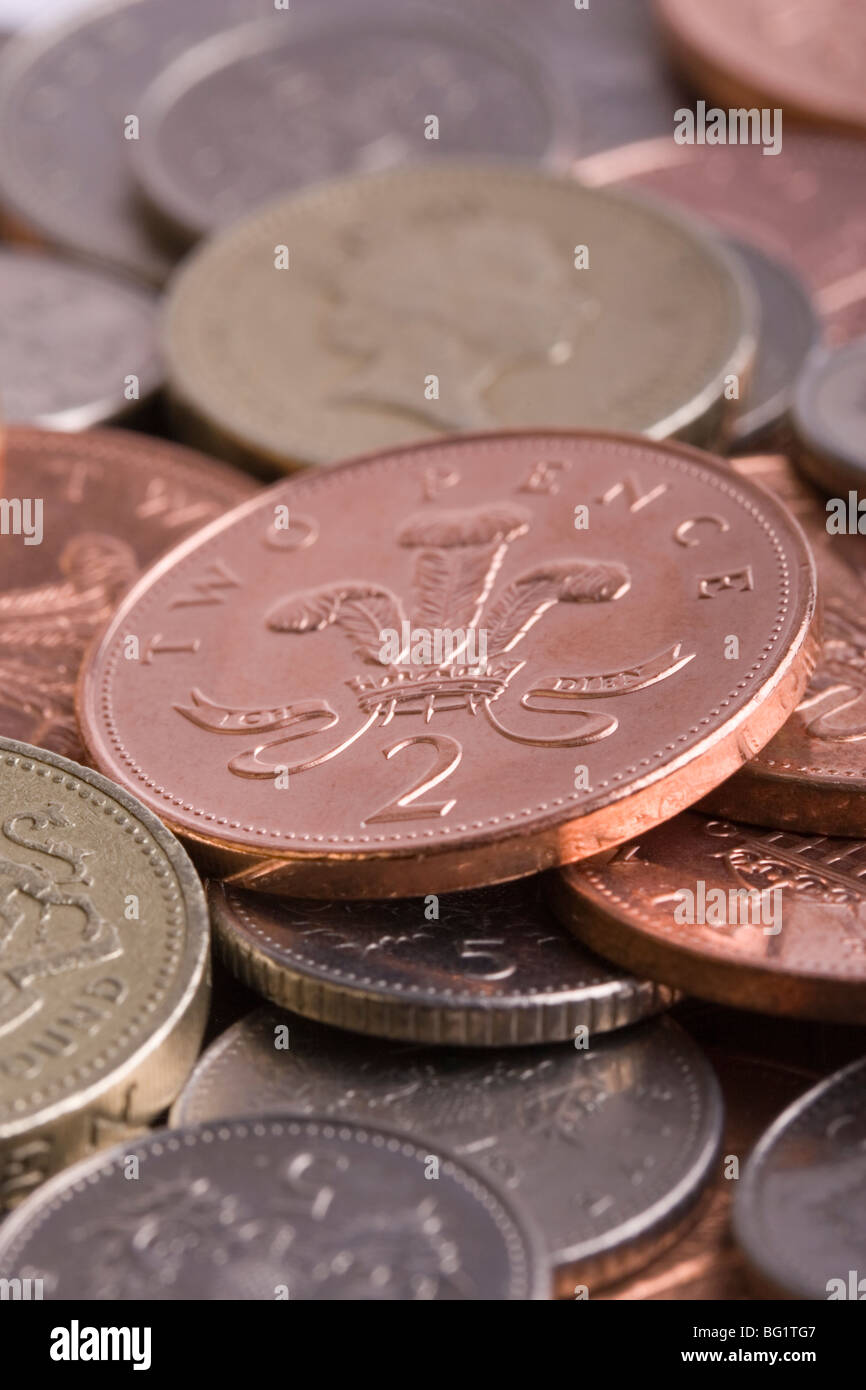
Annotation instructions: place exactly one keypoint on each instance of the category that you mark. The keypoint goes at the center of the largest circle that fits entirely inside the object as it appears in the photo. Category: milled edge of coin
(60, 1188)
(479, 1021)
(106, 409)
(183, 1027)
(222, 50)
(653, 798)
(705, 418)
(746, 1214)
(583, 904)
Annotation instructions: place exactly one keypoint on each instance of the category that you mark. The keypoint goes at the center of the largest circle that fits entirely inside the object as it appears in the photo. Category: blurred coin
(812, 773)
(417, 302)
(412, 83)
(103, 965)
(761, 919)
(800, 1210)
(788, 329)
(829, 420)
(107, 503)
(66, 95)
(484, 968)
(77, 347)
(608, 1148)
(298, 1209)
(804, 57)
(805, 206)
(420, 672)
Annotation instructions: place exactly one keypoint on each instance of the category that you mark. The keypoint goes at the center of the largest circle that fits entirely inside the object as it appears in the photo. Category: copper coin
(800, 1213)
(66, 94)
(208, 152)
(77, 347)
(805, 206)
(761, 919)
(94, 509)
(804, 57)
(488, 967)
(812, 775)
(829, 423)
(386, 679)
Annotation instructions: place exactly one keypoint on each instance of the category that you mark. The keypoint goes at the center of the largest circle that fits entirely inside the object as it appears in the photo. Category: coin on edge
(439, 667)
(829, 421)
(207, 153)
(380, 310)
(281, 1208)
(759, 919)
(812, 773)
(104, 979)
(606, 1147)
(490, 967)
(67, 93)
(807, 59)
(77, 347)
(96, 509)
(788, 329)
(805, 206)
(799, 1211)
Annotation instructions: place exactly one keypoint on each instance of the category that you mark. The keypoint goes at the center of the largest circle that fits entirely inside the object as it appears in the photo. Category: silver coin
(493, 967)
(66, 93)
(787, 330)
(607, 1148)
(251, 114)
(800, 1207)
(77, 348)
(829, 418)
(279, 1208)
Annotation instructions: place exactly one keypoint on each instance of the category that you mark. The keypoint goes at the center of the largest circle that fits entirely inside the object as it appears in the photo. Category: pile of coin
(510, 750)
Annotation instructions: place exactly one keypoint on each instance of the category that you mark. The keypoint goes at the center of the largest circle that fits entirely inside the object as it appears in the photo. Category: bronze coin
(455, 663)
(490, 967)
(804, 57)
(812, 774)
(805, 206)
(761, 919)
(94, 510)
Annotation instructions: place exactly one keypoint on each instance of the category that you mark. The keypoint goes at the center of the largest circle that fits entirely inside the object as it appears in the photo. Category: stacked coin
(506, 722)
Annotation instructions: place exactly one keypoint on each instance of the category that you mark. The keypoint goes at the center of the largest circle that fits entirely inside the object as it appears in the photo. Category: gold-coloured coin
(104, 982)
(374, 311)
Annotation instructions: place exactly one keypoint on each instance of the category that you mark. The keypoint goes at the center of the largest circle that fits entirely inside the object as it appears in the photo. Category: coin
(812, 774)
(422, 301)
(282, 1208)
(514, 722)
(66, 95)
(103, 964)
(799, 1211)
(77, 348)
(829, 419)
(805, 58)
(706, 1263)
(788, 329)
(101, 506)
(208, 153)
(484, 968)
(607, 1148)
(805, 206)
(761, 919)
